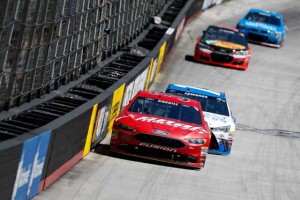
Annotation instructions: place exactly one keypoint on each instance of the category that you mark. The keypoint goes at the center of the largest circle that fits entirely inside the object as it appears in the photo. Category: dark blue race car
(263, 27)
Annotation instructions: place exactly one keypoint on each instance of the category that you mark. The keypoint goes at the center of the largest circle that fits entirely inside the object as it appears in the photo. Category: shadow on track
(190, 58)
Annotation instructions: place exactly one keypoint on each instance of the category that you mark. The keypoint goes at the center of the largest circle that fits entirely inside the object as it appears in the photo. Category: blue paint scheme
(31, 166)
(219, 151)
(195, 90)
(265, 33)
(223, 150)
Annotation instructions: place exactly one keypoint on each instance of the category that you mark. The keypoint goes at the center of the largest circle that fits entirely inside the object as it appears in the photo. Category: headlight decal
(196, 140)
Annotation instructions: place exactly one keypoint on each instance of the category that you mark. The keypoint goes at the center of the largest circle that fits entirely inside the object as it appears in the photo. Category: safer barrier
(40, 144)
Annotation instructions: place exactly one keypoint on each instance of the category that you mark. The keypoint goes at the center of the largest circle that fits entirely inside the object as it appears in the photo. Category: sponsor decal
(168, 102)
(137, 86)
(31, 166)
(195, 95)
(134, 87)
(220, 99)
(171, 123)
(127, 94)
(229, 45)
(115, 106)
(155, 146)
(143, 79)
(260, 25)
(101, 123)
(213, 118)
(139, 83)
(160, 132)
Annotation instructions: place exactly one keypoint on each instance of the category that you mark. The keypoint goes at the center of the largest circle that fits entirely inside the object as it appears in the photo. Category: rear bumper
(263, 38)
(237, 62)
(265, 44)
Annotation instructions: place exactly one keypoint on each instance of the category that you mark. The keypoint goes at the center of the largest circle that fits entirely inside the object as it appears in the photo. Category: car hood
(260, 26)
(215, 120)
(159, 125)
(225, 44)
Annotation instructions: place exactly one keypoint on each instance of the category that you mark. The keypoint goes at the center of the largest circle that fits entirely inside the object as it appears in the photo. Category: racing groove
(264, 162)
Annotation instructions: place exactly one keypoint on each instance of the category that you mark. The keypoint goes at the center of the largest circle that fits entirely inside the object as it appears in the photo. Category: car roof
(165, 97)
(196, 90)
(264, 12)
(224, 27)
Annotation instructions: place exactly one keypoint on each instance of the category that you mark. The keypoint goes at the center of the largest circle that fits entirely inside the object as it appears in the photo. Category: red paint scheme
(238, 61)
(144, 142)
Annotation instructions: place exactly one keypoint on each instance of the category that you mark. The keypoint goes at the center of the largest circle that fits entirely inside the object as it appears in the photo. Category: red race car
(162, 127)
(223, 46)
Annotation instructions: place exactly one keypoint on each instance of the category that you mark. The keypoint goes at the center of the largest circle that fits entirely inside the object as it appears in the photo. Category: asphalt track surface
(265, 159)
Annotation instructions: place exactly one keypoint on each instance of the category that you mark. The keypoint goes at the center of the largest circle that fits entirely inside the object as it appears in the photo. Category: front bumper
(223, 146)
(262, 37)
(190, 156)
(221, 59)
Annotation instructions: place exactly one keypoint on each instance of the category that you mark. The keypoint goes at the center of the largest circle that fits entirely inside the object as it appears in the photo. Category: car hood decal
(261, 26)
(215, 120)
(225, 44)
(157, 125)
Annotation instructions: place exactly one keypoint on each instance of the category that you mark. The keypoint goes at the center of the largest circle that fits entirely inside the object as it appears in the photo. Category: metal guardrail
(46, 44)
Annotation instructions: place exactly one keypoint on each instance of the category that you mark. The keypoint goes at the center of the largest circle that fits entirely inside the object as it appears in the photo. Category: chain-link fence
(47, 43)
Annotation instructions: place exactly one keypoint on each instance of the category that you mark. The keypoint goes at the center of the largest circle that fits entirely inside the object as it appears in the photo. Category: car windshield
(161, 108)
(214, 34)
(208, 104)
(263, 18)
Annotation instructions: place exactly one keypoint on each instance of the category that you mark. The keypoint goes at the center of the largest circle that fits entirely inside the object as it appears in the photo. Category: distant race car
(263, 27)
(216, 112)
(162, 127)
(223, 46)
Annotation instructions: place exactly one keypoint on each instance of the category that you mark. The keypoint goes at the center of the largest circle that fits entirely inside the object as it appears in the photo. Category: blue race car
(263, 27)
(216, 113)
